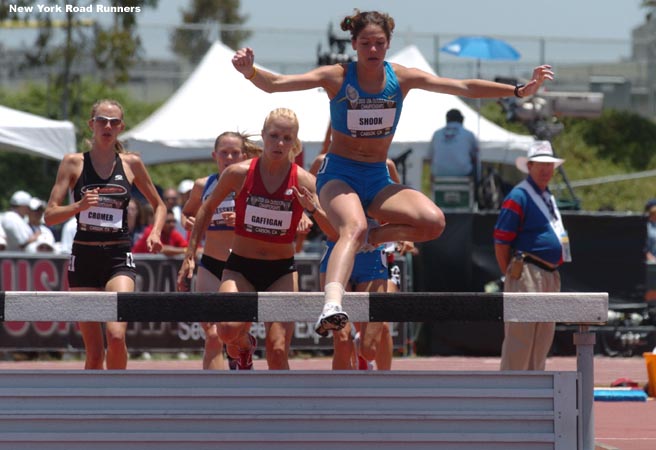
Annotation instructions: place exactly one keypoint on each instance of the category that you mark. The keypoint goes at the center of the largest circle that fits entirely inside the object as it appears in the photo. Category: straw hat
(539, 151)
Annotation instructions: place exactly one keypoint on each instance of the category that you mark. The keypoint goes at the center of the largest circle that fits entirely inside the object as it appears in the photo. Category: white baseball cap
(20, 198)
(40, 245)
(185, 186)
(37, 203)
(539, 151)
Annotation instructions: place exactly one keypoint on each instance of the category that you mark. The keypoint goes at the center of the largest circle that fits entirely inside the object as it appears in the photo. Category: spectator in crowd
(68, 235)
(171, 198)
(3, 236)
(136, 220)
(184, 191)
(148, 214)
(101, 180)
(174, 199)
(173, 243)
(14, 222)
(530, 243)
(650, 248)
(45, 241)
(453, 151)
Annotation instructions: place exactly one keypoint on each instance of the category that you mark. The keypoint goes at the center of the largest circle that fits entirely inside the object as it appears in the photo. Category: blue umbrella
(481, 47)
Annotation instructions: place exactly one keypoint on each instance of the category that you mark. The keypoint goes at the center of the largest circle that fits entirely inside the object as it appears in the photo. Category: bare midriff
(258, 249)
(360, 149)
(218, 243)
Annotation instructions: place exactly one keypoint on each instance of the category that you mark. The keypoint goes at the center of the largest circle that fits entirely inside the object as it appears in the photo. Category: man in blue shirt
(454, 150)
(530, 243)
(650, 247)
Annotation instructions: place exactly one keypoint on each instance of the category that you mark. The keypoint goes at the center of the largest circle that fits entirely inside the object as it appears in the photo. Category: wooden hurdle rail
(570, 394)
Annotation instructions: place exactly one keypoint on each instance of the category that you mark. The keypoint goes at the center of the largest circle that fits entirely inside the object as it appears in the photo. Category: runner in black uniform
(101, 180)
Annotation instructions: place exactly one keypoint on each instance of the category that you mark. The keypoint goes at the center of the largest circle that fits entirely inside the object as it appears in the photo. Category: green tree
(117, 47)
(36, 175)
(625, 138)
(114, 49)
(616, 143)
(193, 43)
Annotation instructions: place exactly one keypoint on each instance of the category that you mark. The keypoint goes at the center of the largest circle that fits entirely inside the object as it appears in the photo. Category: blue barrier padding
(620, 395)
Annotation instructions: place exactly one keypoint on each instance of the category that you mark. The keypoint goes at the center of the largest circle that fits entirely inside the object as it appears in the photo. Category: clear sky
(608, 21)
(560, 18)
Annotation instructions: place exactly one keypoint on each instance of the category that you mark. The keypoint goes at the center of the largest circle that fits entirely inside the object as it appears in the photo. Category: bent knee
(342, 339)
(228, 332)
(355, 232)
(213, 340)
(431, 224)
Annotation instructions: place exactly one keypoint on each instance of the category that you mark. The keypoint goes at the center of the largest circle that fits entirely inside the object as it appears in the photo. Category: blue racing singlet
(360, 114)
(227, 205)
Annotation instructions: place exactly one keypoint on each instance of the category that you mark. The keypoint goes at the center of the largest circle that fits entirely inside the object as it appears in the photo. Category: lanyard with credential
(548, 208)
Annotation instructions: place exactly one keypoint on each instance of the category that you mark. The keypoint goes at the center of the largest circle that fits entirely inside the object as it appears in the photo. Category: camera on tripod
(547, 105)
(337, 51)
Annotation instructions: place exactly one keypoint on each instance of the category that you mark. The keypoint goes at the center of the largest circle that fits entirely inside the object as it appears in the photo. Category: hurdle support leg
(585, 341)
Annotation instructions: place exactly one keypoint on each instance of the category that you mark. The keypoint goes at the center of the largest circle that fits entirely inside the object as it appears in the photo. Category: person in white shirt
(3, 236)
(67, 236)
(18, 233)
(45, 240)
(184, 192)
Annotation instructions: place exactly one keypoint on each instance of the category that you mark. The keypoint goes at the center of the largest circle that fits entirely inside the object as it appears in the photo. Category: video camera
(546, 105)
(560, 104)
(336, 53)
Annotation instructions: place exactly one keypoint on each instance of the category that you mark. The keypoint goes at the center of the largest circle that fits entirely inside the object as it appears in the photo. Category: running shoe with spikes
(245, 360)
(332, 318)
(363, 364)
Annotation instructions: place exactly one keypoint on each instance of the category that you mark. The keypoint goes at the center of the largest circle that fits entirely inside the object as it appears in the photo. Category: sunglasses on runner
(103, 121)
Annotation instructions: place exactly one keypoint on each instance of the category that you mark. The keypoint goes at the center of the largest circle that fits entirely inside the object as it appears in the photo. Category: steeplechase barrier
(301, 409)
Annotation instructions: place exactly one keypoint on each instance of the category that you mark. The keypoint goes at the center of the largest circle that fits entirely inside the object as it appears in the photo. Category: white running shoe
(331, 318)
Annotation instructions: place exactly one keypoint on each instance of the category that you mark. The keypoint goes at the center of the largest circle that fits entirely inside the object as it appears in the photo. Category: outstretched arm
(327, 77)
(412, 78)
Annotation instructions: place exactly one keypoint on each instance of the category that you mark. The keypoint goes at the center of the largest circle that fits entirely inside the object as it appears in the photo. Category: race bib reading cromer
(102, 217)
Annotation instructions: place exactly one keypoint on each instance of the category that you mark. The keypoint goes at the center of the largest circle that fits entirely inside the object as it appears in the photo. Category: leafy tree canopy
(193, 43)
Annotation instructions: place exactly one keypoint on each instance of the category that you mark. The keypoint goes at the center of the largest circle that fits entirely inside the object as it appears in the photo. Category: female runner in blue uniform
(366, 98)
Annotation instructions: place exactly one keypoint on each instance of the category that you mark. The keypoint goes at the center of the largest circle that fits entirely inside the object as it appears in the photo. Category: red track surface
(621, 425)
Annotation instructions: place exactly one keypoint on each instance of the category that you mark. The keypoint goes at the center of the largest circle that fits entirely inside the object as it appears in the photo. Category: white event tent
(217, 98)
(28, 133)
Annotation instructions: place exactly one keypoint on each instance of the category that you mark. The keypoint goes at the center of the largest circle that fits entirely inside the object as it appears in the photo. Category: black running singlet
(108, 221)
